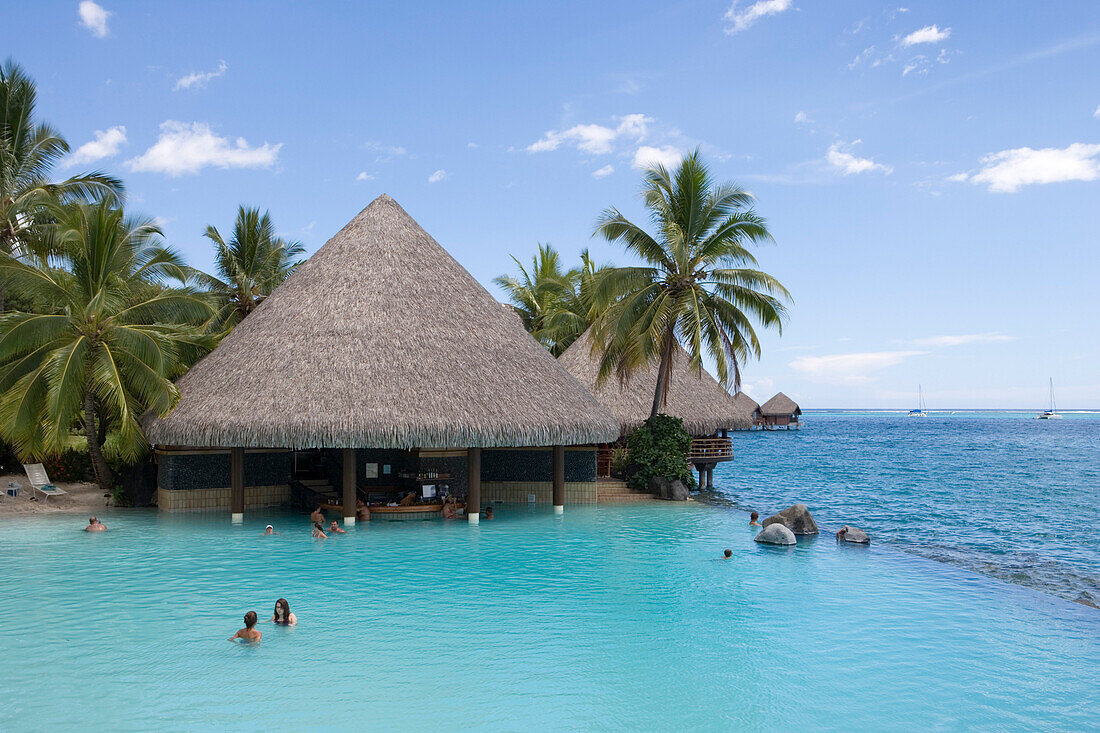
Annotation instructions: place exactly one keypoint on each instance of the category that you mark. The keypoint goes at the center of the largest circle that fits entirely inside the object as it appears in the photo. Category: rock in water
(854, 535)
(665, 489)
(776, 534)
(796, 518)
(677, 491)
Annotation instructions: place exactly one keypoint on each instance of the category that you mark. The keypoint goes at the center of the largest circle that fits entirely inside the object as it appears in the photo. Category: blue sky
(930, 170)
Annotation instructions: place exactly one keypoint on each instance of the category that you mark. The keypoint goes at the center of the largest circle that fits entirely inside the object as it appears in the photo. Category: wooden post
(558, 454)
(349, 486)
(473, 485)
(710, 477)
(236, 485)
(702, 477)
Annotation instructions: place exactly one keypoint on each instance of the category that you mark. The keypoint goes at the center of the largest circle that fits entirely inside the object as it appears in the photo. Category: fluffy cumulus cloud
(739, 17)
(846, 163)
(364, 176)
(438, 176)
(604, 172)
(1010, 170)
(593, 139)
(106, 143)
(94, 18)
(199, 78)
(184, 148)
(855, 368)
(650, 157)
(801, 118)
(927, 34)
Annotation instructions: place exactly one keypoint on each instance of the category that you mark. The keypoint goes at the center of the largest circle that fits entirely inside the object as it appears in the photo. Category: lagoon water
(610, 618)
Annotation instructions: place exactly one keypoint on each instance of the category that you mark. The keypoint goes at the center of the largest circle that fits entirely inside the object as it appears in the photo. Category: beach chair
(40, 482)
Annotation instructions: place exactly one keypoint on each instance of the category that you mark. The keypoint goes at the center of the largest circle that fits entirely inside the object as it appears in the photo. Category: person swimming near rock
(282, 614)
(753, 519)
(94, 525)
(335, 528)
(249, 633)
(319, 531)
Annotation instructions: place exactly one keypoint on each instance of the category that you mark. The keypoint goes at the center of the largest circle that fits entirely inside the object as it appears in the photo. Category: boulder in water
(796, 518)
(852, 534)
(776, 534)
(670, 490)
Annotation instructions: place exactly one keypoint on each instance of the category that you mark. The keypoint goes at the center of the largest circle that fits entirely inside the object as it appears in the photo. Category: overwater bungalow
(748, 404)
(382, 368)
(694, 396)
(780, 411)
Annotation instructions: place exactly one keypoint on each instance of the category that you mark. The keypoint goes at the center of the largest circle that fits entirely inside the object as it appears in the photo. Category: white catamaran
(1052, 413)
(922, 409)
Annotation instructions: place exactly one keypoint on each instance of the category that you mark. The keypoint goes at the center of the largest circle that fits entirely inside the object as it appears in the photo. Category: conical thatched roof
(781, 404)
(381, 339)
(695, 397)
(746, 403)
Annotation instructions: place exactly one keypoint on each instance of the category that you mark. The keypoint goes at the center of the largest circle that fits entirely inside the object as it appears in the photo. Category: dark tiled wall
(507, 464)
(211, 470)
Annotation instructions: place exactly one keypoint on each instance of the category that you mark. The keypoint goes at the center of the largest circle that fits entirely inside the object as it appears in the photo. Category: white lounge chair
(40, 482)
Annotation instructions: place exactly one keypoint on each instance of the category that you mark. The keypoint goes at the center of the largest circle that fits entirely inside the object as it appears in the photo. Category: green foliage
(69, 465)
(699, 285)
(620, 460)
(660, 448)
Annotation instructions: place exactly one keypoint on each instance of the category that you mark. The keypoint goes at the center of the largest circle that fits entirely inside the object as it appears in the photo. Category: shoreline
(83, 497)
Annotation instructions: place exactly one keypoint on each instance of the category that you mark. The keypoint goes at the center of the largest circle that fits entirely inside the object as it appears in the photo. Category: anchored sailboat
(1052, 413)
(922, 409)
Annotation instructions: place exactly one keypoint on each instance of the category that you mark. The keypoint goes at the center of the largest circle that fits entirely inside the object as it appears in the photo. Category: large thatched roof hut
(381, 340)
(748, 404)
(780, 411)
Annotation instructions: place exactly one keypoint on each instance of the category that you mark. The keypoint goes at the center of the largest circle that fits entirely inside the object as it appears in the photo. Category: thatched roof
(693, 396)
(381, 339)
(746, 403)
(781, 404)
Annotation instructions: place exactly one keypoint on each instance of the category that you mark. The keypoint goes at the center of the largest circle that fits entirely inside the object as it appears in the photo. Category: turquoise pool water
(616, 618)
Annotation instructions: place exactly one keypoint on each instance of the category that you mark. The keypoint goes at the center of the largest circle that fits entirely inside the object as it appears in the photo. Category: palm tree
(250, 266)
(698, 286)
(28, 154)
(106, 350)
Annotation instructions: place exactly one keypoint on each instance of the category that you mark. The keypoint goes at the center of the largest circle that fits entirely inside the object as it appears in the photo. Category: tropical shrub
(620, 460)
(659, 448)
(69, 465)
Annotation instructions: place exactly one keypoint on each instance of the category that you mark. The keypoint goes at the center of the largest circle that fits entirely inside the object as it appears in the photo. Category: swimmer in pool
(282, 614)
(319, 532)
(727, 554)
(269, 530)
(488, 512)
(335, 528)
(249, 633)
(94, 525)
(318, 516)
(753, 519)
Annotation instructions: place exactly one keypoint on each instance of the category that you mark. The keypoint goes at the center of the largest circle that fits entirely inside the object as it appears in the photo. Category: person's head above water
(334, 525)
(754, 516)
(250, 619)
(728, 553)
(317, 526)
(269, 529)
(282, 611)
(93, 520)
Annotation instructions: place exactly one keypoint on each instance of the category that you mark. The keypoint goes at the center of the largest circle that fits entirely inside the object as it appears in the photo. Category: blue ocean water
(1000, 493)
(607, 618)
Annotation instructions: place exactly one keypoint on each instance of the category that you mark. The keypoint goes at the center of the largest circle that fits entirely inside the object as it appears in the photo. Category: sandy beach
(83, 498)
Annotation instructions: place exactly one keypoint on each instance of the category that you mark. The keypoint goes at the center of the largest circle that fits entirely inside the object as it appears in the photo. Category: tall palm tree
(28, 153)
(250, 266)
(699, 286)
(106, 350)
(548, 299)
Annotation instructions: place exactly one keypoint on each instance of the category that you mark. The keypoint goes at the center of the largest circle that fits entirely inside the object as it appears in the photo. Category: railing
(711, 449)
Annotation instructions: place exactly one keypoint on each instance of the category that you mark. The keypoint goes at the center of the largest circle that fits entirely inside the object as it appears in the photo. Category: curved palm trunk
(663, 373)
(103, 475)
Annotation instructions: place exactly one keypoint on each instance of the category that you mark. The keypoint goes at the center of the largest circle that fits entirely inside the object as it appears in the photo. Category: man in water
(728, 554)
(318, 516)
(753, 519)
(269, 530)
(488, 512)
(94, 525)
(249, 632)
(335, 528)
(362, 511)
(841, 532)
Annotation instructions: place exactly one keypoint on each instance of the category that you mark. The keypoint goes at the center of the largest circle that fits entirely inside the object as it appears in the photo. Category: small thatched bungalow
(383, 367)
(748, 404)
(694, 396)
(780, 411)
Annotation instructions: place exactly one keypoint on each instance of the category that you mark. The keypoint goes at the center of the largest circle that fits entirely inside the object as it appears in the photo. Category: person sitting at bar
(318, 531)
(335, 528)
(488, 512)
(753, 519)
(450, 508)
(249, 633)
(362, 511)
(409, 499)
(318, 516)
(94, 525)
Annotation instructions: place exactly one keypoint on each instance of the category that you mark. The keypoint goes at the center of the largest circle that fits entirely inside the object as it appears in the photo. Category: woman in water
(319, 532)
(249, 633)
(753, 519)
(282, 614)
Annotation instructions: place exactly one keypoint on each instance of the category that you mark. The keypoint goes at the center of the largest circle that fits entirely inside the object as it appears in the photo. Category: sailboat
(1050, 414)
(922, 409)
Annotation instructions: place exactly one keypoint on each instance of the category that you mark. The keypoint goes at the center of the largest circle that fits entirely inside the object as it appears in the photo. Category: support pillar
(702, 477)
(349, 486)
(558, 453)
(710, 477)
(473, 485)
(236, 485)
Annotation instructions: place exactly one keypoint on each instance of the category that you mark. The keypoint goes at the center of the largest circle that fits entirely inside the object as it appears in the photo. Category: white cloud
(1096, 114)
(94, 18)
(593, 139)
(106, 143)
(1009, 170)
(438, 176)
(848, 164)
(927, 34)
(918, 64)
(849, 368)
(384, 152)
(650, 157)
(961, 340)
(199, 78)
(762, 386)
(364, 176)
(471, 145)
(184, 148)
(802, 118)
(739, 20)
(607, 170)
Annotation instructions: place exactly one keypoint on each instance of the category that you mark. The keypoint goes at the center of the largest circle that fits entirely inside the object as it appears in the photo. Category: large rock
(776, 534)
(665, 489)
(796, 518)
(855, 535)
